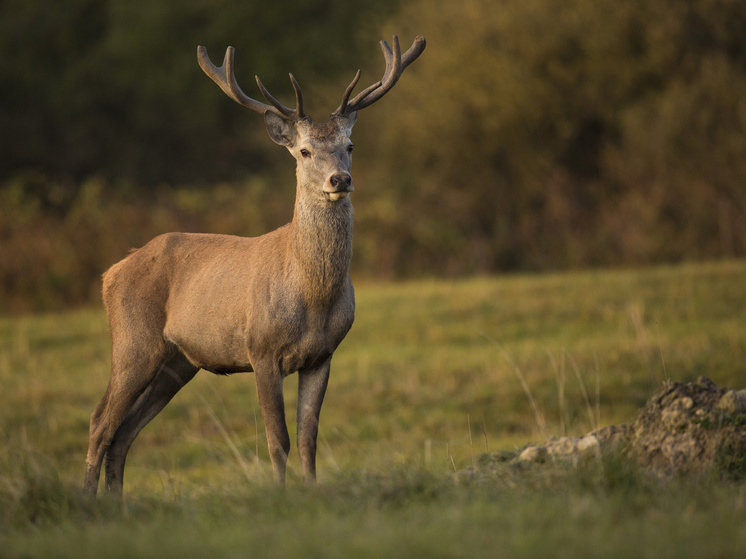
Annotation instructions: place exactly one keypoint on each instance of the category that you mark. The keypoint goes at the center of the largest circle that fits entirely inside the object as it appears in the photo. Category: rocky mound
(685, 428)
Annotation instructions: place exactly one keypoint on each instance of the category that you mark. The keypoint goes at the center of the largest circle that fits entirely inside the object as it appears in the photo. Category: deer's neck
(321, 246)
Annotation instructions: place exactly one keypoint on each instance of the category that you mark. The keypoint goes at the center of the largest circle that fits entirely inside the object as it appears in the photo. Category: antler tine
(413, 52)
(226, 79)
(298, 98)
(393, 62)
(347, 93)
(396, 62)
(294, 114)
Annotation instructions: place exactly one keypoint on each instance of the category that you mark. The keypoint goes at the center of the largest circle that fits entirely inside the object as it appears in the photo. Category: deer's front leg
(272, 404)
(311, 389)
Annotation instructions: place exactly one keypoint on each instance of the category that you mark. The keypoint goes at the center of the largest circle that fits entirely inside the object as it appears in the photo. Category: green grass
(432, 375)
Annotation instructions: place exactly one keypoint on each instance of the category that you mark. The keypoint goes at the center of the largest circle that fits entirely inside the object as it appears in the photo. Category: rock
(684, 429)
(733, 402)
(674, 419)
(690, 428)
(565, 447)
(706, 383)
(614, 435)
(533, 454)
(589, 446)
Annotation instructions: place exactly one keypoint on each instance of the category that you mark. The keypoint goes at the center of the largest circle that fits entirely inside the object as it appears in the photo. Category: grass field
(433, 375)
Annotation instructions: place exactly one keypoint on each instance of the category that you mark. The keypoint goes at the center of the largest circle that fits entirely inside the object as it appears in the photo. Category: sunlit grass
(432, 375)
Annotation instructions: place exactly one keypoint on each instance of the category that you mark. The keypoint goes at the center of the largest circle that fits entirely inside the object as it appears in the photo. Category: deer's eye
(350, 148)
(305, 153)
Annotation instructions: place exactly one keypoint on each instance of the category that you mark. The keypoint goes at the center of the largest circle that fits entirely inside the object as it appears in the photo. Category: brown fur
(274, 304)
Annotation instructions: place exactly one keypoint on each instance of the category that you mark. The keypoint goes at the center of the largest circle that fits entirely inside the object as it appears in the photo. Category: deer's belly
(213, 347)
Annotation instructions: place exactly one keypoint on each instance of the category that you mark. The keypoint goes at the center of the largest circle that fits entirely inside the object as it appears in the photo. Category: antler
(226, 79)
(396, 62)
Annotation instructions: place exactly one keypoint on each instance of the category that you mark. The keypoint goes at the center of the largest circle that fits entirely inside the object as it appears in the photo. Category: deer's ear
(351, 121)
(279, 129)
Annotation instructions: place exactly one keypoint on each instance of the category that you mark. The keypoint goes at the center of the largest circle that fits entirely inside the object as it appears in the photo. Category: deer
(274, 305)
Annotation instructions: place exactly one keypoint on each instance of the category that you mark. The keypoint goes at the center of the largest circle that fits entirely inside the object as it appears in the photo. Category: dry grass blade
(240, 460)
(538, 415)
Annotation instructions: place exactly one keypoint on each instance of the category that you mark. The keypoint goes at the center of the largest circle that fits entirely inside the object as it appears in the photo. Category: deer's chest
(300, 335)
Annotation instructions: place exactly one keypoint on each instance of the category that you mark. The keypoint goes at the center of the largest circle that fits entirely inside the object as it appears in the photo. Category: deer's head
(323, 151)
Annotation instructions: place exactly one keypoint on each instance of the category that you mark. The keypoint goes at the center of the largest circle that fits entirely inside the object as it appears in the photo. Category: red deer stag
(275, 304)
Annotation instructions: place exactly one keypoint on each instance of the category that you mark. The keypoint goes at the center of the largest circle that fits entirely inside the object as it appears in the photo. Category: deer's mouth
(336, 194)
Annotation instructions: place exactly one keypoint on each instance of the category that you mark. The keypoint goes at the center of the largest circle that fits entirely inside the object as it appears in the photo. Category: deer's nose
(340, 182)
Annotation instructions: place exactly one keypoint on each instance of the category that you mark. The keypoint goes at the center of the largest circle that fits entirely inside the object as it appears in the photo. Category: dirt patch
(685, 428)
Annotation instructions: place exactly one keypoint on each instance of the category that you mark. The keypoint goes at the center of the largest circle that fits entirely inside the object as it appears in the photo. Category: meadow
(435, 378)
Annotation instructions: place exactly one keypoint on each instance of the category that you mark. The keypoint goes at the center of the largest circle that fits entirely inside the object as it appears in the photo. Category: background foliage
(531, 135)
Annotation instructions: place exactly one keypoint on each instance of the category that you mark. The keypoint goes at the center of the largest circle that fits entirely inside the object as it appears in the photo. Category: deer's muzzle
(339, 185)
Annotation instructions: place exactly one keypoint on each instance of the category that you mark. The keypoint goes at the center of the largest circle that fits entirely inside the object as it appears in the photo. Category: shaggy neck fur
(321, 243)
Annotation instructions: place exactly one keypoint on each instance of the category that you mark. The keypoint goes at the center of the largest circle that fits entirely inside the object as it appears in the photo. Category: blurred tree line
(531, 134)
(110, 88)
(543, 134)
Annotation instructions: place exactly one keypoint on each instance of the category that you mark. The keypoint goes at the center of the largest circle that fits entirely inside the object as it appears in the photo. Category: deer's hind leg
(169, 379)
(133, 370)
